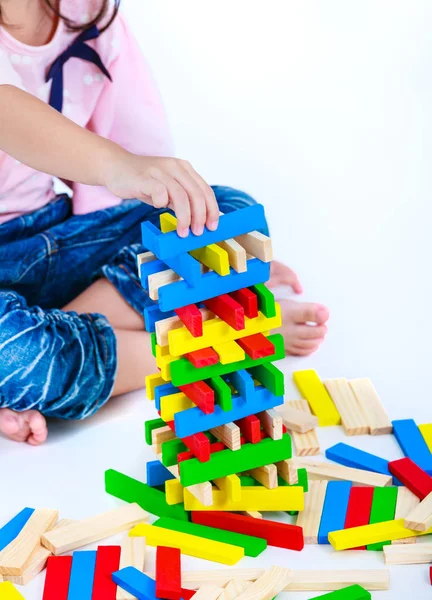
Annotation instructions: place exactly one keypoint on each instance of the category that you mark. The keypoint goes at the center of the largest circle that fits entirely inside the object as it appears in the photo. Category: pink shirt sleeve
(129, 110)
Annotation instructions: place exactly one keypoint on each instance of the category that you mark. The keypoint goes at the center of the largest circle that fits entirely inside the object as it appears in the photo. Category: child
(72, 332)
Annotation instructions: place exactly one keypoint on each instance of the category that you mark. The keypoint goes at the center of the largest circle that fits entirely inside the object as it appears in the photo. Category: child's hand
(164, 182)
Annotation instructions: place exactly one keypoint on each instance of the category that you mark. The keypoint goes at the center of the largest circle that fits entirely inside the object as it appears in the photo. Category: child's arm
(45, 140)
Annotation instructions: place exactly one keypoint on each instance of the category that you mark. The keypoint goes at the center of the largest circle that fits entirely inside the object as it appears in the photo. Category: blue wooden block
(413, 444)
(232, 224)
(334, 509)
(193, 420)
(157, 474)
(178, 294)
(82, 575)
(164, 390)
(136, 583)
(10, 531)
(153, 314)
(149, 268)
(243, 383)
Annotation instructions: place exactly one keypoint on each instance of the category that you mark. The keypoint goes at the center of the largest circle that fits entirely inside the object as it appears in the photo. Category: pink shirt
(128, 110)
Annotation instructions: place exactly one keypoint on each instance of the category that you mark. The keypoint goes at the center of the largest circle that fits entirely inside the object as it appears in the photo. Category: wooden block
(252, 513)
(406, 502)
(164, 326)
(143, 258)
(426, 431)
(353, 417)
(87, 531)
(138, 584)
(227, 309)
(173, 492)
(233, 589)
(412, 443)
(229, 434)
(310, 518)
(270, 377)
(250, 427)
(257, 244)
(82, 575)
(214, 257)
(321, 470)
(229, 353)
(352, 592)
(256, 346)
(271, 422)
(248, 300)
(161, 435)
(368, 399)
(150, 425)
(252, 498)
(208, 592)
(401, 554)
(9, 592)
(201, 394)
(151, 382)
(359, 508)
(334, 509)
(230, 486)
(13, 527)
(349, 456)
(412, 476)
(266, 587)
(16, 557)
(297, 420)
(383, 509)
(420, 518)
(311, 388)
(173, 404)
(160, 279)
(107, 563)
(57, 578)
(192, 318)
(133, 553)
(203, 358)
(189, 544)
(168, 573)
(199, 445)
(236, 254)
(201, 491)
(266, 475)
(306, 444)
(288, 471)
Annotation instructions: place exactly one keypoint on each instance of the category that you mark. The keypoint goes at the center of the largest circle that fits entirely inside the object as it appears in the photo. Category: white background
(322, 110)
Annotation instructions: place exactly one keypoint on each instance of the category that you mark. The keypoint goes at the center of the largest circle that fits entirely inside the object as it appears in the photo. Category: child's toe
(38, 428)
(310, 312)
(311, 332)
(9, 422)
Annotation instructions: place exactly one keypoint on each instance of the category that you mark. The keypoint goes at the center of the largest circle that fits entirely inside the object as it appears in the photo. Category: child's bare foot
(29, 426)
(303, 326)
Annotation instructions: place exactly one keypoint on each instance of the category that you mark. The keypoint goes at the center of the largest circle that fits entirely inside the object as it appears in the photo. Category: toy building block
(223, 392)
(107, 562)
(228, 434)
(349, 456)
(151, 382)
(412, 476)
(243, 383)
(368, 399)
(229, 352)
(415, 554)
(152, 314)
(9, 592)
(81, 575)
(406, 502)
(172, 404)
(352, 592)
(372, 534)
(192, 319)
(190, 545)
(250, 427)
(130, 490)
(280, 535)
(252, 545)
(359, 508)
(133, 553)
(334, 509)
(256, 346)
(199, 445)
(161, 279)
(208, 592)
(288, 471)
(160, 436)
(10, 531)
(270, 377)
(420, 518)
(81, 533)
(426, 431)
(227, 309)
(170, 451)
(173, 492)
(16, 557)
(234, 588)
(271, 422)
(353, 417)
(252, 498)
(310, 518)
(154, 267)
(266, 476)
(224, 463)
(311, 388)
(236, 254)
(297, 420)
(182, 372)
(412, 443)
(57, 578)
(254, 514)
(230, 486)
(139, 585)
(157, 474)
(257, 244)
(266, 587)
(266, 300)
(165, 389)
(306, 444)
(144, 257)
(248, 300)
(321, 470)
(168, 573)
(383, 509)
(203, 358)
(201, 394)
(163, 326)
(149, 426)
(201, 491)
(216, 331)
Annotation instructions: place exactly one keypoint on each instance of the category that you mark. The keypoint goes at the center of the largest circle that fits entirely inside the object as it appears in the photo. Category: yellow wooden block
(252, 498)
(372, 534)
(426, 431)
(9, 592)
(172, 404)
(229, 352)
(230, 486)
(311, 388)
(152, 382)
(163, 360)
(173, 492)
(191, 545)
(168, 222)
(217, 331)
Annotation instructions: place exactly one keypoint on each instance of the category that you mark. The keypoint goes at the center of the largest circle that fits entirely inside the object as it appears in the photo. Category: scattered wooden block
(233, 589)
(271, 422)
(383, 509)
(9, 592)
(248, 300)
(412, 476)
(310, 518)
(10, 531)
(266, 475)
(107, 562)
(359, 508)
(412, 443)
(401, 554)
(236, 254)
(306, 444)
(368, 399)
(349, 456)
(208, 592)
(139, 585)
(426, 431)
(311, 388)
(352, 592)
(354, 420)
(57, 578)
(229, 434)
(82, 575)
(420, 518)
(321, 470)
(268, 585)
(406, 502)
(168, 573)
(84, 532)
(297, 420)
(133, 553)
(334, 509)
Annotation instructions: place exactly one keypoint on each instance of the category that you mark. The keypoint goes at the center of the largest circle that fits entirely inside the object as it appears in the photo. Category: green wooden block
(183, 372)
(303, 479)
(228, 462)
(153, 343)
(223, 394)
(383, 509)
(150, 499)
(270, 377)
(253, 546)
(149, 426)
(248, 481)
(266, 300)
(353, 592)
(170, 451)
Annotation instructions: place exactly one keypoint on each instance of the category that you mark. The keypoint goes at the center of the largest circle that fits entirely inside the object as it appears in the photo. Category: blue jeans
(61, 363)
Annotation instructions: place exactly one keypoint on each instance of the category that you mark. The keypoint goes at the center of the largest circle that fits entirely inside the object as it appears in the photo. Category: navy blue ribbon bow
(77, 49)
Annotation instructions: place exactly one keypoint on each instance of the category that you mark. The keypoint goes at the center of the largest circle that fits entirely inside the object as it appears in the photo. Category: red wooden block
(250, 427)
(201, 394)
(187, 594)
(359, 508)
(203, 358)
(227, 309)
(168, 573)
(216, 447)
(57, 578)
(244, 441)
(191, 317)
(107, 562)
(256, 346)
(281, 535)
(284, 429)
(248, 300)
(412, 476)
(199, 445)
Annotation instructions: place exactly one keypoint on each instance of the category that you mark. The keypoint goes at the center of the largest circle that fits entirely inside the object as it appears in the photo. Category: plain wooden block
(354, 420)
(236, 255)
(420, 518)
(306, 444)
(370, 402)
(228, 434)
(416, 554)
(268, 585)
(266, 475)
(91, 530)
(161, 435)
(252, 513)
(233, 589)
(321, 470)
(256, 244)
(406, 502)
(288, 471)
(271, 422)
(157, 280)
(208, 592)
(133, 552)
(310, 518)
(297, 420)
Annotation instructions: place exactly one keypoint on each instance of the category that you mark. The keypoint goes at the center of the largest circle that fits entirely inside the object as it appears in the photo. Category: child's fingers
(154, 192)
(197, 200)
(179, 201)
(210, 198)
